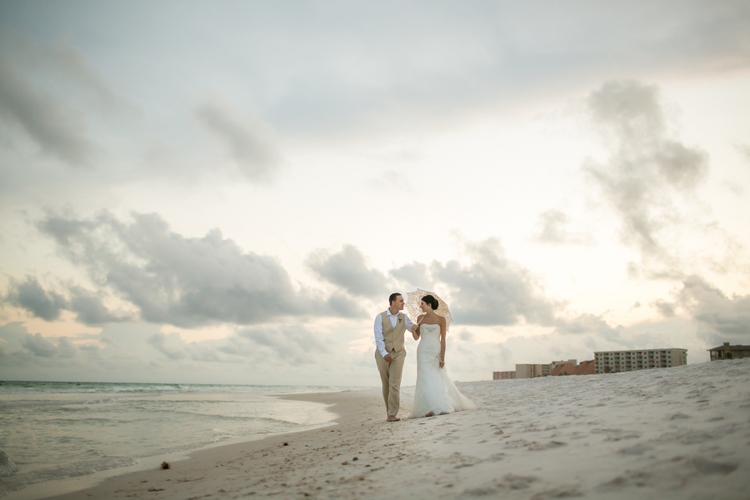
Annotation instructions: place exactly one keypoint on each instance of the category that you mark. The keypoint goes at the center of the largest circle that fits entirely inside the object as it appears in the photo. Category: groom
(390, 326)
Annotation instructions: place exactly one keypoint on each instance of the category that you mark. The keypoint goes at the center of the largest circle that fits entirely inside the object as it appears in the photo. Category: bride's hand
(442, 363)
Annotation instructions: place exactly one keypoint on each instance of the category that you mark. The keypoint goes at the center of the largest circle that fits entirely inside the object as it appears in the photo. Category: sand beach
(667, 433)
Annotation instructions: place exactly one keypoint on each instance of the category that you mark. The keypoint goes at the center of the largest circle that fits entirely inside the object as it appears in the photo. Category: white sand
(679, 433)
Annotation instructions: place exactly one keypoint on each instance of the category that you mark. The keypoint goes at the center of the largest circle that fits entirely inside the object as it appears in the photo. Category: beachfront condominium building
(531, 371)
(642, 359)
(727, 351)
(507, 375)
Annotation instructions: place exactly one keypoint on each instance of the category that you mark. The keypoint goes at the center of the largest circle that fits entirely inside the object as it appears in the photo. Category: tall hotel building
(626, 361)
(531, 371)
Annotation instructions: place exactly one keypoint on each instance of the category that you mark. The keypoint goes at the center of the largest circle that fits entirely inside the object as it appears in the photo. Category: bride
(435, 392)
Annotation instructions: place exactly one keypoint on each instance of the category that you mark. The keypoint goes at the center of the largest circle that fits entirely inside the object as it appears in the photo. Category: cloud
(249, 142)
(55, 117)
(381, 66)
(159, 342)
(281, 354)
(267, 345)
(586, 324)
(666, 309)
(697, 306)
(648, 173)
(744, 150)
(61, 59)
(57, 130)
(466, 336)
(346, 306)
(66, 348)
(348, 269)
(90, 310)
(175, 349)
(174, 279)
(415, 274)
(721, 318)
(393, 69)
(596, 333)
(22, 347)
(489, 290)
(553, 230)
(30, 296)
(493, 290)
(48, 305)
(39, 346)
(44, 348)
(293, 344)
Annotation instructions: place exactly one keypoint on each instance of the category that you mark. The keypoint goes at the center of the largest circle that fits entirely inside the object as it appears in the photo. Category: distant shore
(666, 433)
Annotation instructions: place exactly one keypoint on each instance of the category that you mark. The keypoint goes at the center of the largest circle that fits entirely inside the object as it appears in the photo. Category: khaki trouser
(390, 376)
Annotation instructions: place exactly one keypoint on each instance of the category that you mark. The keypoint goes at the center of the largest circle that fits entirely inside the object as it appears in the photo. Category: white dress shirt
(379, 341)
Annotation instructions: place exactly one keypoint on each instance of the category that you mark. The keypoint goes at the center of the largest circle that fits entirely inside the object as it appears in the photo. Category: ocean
(56, 430)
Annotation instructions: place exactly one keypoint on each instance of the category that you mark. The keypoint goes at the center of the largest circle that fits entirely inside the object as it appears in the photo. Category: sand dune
(680, 433)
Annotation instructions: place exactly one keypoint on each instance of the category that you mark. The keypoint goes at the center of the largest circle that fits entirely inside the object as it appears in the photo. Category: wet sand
(681, 433)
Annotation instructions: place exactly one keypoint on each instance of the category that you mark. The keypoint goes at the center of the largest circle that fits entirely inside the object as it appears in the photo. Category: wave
(29, 387)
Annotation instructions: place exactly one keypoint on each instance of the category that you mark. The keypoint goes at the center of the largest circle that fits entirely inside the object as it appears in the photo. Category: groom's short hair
(393, 297)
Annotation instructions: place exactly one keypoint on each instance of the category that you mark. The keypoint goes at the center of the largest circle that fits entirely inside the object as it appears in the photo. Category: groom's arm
(409, 324)
(379, 340)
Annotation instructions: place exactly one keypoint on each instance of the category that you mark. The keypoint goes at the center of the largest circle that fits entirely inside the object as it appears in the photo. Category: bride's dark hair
(430, 301)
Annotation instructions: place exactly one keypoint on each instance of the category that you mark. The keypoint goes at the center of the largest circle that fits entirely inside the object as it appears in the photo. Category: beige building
(642, 359)
(531, 371)
(727, 351)
(508, 375)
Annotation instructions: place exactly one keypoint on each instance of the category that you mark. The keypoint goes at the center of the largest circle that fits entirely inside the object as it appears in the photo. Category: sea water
(55, 430)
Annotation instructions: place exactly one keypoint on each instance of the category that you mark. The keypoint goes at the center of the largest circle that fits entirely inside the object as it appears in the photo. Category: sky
(228, 191)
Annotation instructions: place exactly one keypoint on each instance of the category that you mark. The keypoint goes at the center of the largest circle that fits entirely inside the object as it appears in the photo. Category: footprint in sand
(545, 446)
(637, 449)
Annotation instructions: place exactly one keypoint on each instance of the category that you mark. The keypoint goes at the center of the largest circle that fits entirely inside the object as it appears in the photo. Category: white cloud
(554, 230)
(649, 180)
(250, 143)
(57, 130)
(30, 296)
(721, 318)
(173, 279)
(494, 290)
(39, 346)
(348, 269)
(320, 96)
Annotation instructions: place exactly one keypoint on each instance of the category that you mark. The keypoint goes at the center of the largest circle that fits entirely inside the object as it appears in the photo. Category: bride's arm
(415, 330)
(442, 342)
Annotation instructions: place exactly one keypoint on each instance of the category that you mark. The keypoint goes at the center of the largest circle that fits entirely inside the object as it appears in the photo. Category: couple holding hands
(435, 393)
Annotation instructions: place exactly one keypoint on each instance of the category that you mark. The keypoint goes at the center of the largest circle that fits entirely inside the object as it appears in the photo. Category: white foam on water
(54, 431)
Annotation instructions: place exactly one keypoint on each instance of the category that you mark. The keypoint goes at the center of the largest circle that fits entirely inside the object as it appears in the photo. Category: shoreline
(676, 433)
(63, 488)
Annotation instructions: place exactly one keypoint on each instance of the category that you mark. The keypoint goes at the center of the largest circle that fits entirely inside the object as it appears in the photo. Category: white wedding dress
(435, 392)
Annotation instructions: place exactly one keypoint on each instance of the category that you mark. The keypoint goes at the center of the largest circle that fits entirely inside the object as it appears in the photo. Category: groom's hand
(388, 358)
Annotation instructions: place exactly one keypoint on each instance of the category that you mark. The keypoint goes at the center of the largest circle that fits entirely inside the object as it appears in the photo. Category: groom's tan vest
(393, 336)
